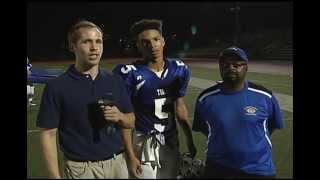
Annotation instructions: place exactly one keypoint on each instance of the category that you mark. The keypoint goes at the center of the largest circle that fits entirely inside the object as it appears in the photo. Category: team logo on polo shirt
(250, 110)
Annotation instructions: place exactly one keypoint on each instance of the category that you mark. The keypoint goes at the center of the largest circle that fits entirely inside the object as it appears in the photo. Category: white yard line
(286, 101)
(33, 131)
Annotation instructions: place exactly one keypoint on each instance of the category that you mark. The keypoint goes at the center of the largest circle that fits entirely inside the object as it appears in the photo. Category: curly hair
(145, 24)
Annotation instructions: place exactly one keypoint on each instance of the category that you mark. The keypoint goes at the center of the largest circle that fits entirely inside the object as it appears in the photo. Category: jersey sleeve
(184, 78)
(125, 104)
(121, 70)
(49, 112)
(275, 118)
(199, 123)
(29, 67)
(126, 73)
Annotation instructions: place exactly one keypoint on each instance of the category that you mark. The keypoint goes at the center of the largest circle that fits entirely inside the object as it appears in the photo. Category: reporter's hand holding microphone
(111, 114)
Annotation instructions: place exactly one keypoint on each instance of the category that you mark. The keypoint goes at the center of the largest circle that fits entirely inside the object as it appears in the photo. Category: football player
(30, 86)
(157, 86)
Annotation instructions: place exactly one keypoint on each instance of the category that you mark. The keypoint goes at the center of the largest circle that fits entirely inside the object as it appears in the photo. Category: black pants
(214, 170)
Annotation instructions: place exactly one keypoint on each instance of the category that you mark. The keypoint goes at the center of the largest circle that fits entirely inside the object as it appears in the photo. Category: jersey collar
(235, 92)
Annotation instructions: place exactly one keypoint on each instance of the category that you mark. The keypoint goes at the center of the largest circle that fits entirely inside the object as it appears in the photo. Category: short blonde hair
(73, 34)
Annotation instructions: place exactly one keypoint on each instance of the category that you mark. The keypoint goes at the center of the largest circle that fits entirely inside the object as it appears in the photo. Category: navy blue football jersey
(29, 65)
(153, 95)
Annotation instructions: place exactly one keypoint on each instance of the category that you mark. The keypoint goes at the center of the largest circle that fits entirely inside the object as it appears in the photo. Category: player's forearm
(182, 115)
(186, 128)
(127, 120)
(187, 131)
(49, 149)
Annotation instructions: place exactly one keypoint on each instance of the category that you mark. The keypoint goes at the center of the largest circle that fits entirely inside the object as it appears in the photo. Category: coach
(90, 110)
(238, 117)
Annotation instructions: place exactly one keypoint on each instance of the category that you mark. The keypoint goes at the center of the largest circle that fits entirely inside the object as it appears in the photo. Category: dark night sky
(48, 22)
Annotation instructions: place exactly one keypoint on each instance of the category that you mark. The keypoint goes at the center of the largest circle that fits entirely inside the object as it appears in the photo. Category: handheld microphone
(110, 127)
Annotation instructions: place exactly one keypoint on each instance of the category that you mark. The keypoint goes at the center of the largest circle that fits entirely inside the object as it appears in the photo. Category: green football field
(282, 140)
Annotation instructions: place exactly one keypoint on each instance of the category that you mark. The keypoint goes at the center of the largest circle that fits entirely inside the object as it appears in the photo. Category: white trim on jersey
(261, 92)
(158, 73)
(209, 128)
(208, 94)
(165, 74)
(30, 90)
(265, 132)
(140, 85)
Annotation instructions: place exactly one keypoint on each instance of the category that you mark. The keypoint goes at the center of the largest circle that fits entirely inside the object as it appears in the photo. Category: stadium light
(193, 29)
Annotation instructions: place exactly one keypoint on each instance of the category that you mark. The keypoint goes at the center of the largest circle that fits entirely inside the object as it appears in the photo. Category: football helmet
(190, 167)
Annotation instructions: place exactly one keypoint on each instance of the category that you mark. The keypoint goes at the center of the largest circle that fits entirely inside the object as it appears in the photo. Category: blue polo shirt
(238, 126)
(69, 103)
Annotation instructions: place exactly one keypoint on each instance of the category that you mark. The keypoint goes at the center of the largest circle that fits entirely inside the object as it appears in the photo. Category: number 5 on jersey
(127, 68)
(158, 103)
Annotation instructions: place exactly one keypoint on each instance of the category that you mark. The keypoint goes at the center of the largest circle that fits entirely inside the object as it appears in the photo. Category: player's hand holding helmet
(190, 167)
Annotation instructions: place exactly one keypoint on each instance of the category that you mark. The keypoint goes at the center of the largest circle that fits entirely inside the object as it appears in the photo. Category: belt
(95, 160)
